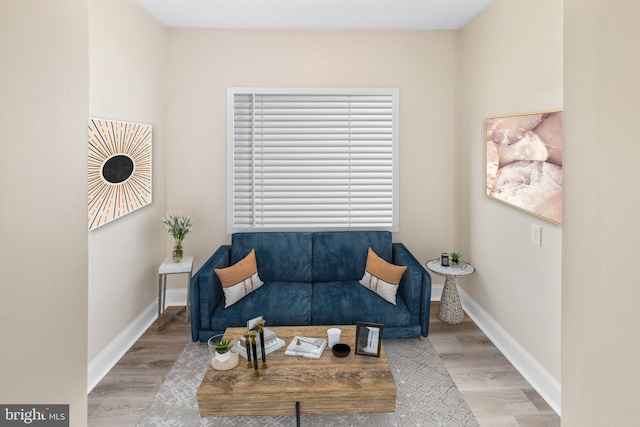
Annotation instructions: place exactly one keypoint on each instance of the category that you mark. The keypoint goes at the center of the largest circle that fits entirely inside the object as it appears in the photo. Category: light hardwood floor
(494, 390)
(496, 393)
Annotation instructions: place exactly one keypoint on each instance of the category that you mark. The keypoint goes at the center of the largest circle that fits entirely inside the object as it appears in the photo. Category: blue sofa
(312, 279)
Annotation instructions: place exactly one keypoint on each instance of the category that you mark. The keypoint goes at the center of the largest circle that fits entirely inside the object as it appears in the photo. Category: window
(312, 159)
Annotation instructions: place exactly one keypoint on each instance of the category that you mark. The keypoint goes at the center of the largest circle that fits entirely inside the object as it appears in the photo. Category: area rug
(427, 396)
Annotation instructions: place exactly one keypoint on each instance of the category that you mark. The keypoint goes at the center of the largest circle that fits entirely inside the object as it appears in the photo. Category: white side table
(450, 308)
(170, 267)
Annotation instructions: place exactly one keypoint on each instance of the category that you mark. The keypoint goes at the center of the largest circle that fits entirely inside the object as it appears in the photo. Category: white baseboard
(436, 292)
(547, 386)
(102, 364)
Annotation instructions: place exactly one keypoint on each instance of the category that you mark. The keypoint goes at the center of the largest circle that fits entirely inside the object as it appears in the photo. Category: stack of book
(306, 347)
(271, 343)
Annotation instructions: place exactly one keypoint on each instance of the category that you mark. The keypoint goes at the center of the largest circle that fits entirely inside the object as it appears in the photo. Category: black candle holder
(262, 349)
(247, 344)
(256, 372)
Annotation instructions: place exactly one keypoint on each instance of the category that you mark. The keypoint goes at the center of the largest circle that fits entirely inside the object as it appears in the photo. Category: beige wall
(510, 62)
(203, 63)
(128, 83)
(44, 87)
(600, 293)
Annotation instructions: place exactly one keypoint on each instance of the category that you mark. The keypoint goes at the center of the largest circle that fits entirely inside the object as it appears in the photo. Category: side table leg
(450, 308)
(162, 278)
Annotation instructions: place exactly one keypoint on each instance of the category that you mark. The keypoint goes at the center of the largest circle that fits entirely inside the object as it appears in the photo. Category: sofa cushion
(382, 277)
(282, 257)
(240, 279)
(342, 255)
(280, 303)
(348, 302)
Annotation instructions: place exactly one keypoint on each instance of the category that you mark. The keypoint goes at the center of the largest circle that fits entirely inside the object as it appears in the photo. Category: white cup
(334, 336)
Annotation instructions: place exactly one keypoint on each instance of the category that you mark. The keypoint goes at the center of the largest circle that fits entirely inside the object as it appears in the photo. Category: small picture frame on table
(252, 324)
(368, 338)
(444, 259)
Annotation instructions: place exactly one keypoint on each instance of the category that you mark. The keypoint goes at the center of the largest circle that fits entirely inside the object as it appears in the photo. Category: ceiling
(317, 14)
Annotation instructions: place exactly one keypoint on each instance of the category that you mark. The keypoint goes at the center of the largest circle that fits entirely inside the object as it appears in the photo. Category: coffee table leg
(297, 414)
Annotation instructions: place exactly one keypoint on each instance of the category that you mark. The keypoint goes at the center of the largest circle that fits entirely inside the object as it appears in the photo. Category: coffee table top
(327, 385)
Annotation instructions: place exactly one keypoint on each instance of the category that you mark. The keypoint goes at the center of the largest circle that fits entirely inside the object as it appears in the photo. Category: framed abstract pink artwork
(524, 162)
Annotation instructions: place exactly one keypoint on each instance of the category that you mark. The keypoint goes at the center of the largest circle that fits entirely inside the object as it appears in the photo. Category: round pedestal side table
(450, 308)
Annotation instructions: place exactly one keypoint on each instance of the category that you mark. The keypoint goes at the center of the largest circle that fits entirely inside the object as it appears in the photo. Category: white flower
(178, 226)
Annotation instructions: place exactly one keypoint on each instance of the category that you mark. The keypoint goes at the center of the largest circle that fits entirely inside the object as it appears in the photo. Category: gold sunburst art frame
(119, 169)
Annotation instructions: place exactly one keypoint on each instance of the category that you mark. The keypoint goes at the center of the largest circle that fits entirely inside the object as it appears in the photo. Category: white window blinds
(312, 159)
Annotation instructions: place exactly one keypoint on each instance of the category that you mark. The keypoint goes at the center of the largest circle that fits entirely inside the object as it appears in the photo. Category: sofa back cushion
(281, 256)
(342, 255)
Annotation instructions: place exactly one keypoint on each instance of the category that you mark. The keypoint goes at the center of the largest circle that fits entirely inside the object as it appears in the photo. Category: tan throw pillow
(240, 279)
(381, 277)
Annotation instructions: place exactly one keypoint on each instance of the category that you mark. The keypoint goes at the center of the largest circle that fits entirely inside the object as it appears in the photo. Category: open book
(306, 347)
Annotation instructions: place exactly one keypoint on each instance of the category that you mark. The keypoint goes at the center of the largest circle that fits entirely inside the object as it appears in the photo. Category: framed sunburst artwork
(119, 169)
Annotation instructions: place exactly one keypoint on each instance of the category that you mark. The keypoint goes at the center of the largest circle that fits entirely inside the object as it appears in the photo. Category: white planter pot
(223, 357)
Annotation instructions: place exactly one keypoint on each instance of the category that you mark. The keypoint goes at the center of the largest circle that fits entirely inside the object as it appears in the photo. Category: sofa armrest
(205, 290)
(415, 287)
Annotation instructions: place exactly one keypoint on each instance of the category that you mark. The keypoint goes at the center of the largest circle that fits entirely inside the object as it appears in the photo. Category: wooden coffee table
(294, 385)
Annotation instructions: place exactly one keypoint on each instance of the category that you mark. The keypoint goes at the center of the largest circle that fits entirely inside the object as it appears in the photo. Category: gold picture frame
(119, 169)
(524, 162)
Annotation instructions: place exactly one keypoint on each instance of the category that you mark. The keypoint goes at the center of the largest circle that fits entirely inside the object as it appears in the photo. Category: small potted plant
(223, 352)
(455, 259)
(223, 348)
(178, 226)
